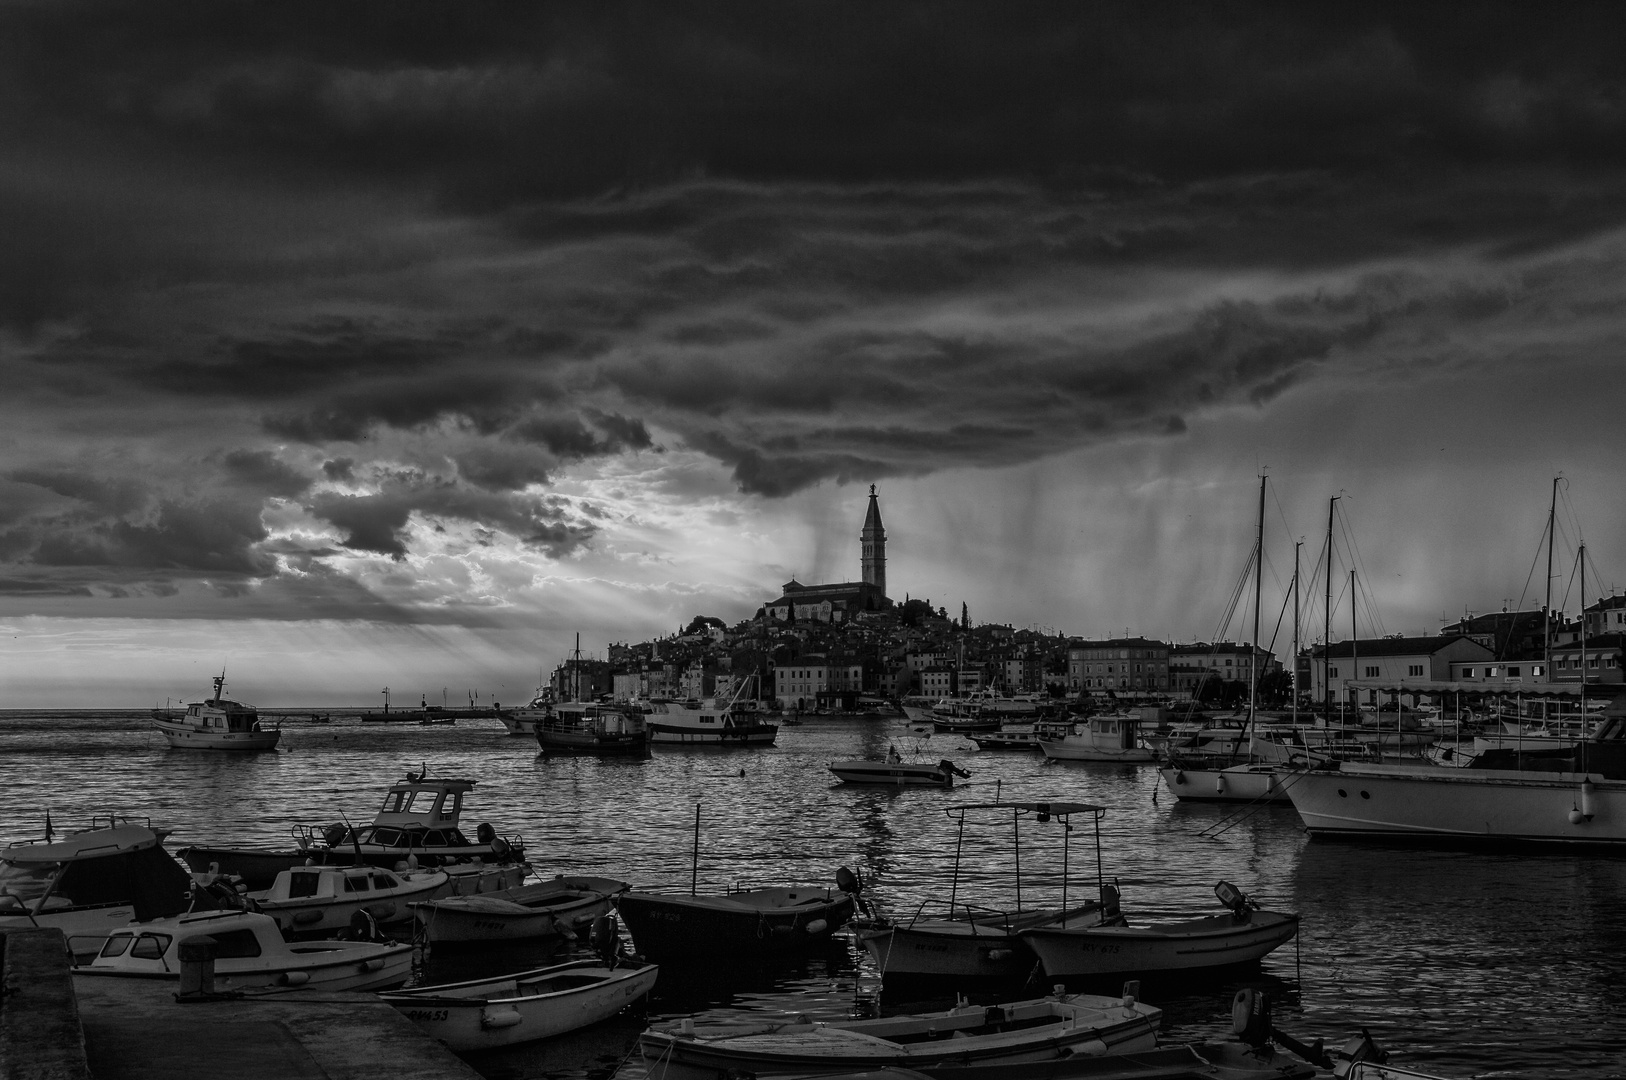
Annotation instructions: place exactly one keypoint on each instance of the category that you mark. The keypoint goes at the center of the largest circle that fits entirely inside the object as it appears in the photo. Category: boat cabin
(330, 883)
(155, 949)
(420, 803)
(122, 864)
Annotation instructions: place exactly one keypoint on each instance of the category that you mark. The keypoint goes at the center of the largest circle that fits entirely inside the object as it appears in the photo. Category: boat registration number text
(429, 1016)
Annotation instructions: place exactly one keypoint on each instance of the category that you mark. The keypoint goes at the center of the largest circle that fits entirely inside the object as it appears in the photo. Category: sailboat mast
(576, 672)
(1580, 557)
(1547, 600)
(1258, 589)
(1295, 683)
(1326, 648)
(1354, 648)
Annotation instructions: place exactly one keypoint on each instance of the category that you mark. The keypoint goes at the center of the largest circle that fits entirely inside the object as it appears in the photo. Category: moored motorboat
(510, 1009)
(742, 927)
(1244, 935)
(216, 724)
(318, 901)
(1035, 1030)
(248, 951)
(91, 882)
(418, 823)
(1112, 738)
(894, 771)
(561, 907)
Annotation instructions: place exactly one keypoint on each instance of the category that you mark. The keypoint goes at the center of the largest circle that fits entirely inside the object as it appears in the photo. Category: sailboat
(1257, 775)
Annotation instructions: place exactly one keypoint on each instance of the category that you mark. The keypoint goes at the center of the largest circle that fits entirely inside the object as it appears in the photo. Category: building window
(1332, 673)
(1371, 673)
(1512, 672)
(1414, 669)
(1467, 673)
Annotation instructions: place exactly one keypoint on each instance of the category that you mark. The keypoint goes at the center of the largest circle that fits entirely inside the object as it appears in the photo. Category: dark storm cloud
(377, 522)
(456, 251)
(264, 471)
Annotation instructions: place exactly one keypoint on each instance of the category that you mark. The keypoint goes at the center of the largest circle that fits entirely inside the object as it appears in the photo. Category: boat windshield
(25, 882)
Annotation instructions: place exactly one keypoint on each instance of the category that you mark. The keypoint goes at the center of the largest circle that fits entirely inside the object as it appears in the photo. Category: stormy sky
(393, 344)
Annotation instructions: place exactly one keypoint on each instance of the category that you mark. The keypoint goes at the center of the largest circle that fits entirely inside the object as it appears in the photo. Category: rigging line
(1236, 596)
(1288, 599)
(1359, 562)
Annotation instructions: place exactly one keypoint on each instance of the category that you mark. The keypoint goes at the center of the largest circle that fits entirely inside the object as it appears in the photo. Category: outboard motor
(334, 834)
(363, 927)
(1235, 899)
(484, 832)
(1250, 1020)
(949, 767)
(853, 885)
(605, 938)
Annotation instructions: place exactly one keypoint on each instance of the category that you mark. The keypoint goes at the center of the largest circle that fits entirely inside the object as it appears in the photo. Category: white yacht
(738, 722)
(216, 724)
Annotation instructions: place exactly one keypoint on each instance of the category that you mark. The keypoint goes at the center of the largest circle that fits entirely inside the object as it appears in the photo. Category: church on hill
(840, 602)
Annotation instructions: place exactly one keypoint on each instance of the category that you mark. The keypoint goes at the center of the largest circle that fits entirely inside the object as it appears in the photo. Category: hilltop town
(847, 646)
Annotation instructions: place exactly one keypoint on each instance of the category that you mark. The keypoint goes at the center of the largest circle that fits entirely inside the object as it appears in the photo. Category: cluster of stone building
(837, 645)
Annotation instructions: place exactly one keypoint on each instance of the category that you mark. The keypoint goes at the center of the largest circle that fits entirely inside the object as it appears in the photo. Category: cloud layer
(394, 310)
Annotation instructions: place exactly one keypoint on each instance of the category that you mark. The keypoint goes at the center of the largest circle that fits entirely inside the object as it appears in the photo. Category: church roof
(872, 520)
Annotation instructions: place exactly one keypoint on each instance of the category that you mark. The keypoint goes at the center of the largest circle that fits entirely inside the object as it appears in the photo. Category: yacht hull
(1427, 804)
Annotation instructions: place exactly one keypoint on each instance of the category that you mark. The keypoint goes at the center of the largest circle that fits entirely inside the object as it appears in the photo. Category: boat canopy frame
(1042, 812)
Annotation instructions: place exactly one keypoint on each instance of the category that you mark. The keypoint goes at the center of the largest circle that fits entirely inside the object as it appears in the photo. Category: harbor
(1420, 947)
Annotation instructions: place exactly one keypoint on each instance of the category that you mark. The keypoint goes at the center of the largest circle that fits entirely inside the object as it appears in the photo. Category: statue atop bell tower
(873, 543)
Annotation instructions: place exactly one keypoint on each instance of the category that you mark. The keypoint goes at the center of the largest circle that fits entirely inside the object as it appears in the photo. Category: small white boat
(216, 724)
(1113, 737)
(312, 901)
(562, 907)
(90, 883)
(1244, 935)
(249, 952)
(531, 1005)
(524, 720)
(894, 771)
(1041, 1029)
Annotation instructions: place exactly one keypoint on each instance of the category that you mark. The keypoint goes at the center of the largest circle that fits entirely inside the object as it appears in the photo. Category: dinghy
(1244, 935)
(562, 907)
(509, 1009)
(1037, 1030)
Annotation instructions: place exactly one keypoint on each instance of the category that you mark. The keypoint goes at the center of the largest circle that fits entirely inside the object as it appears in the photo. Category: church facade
(840, 602)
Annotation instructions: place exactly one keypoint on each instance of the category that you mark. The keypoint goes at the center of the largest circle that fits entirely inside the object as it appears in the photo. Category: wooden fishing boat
(1113, 738)
(485, 1013)
(967, 942)
(593, 728)
(1244, 935)
(216, 724)
(249, 951)
(744, 927)
(1036, 1030)
(562, 907)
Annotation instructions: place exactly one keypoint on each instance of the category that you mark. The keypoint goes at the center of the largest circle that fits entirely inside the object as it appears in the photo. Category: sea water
(1460, 963)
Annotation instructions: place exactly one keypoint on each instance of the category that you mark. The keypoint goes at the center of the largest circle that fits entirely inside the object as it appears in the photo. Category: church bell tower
(873, 541)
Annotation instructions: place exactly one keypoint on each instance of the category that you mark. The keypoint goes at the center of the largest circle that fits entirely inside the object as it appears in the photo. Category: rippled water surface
(1459, 963)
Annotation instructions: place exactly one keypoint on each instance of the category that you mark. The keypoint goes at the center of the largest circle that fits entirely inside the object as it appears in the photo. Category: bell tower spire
(873, 544)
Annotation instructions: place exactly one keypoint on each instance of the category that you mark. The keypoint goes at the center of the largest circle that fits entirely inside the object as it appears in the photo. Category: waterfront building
(1232, 661)
(1600, 662)
(1509, 635)
(1128, 664)
(1607, 616)
(1501, 673)
(1392, 661)
(807, 682)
